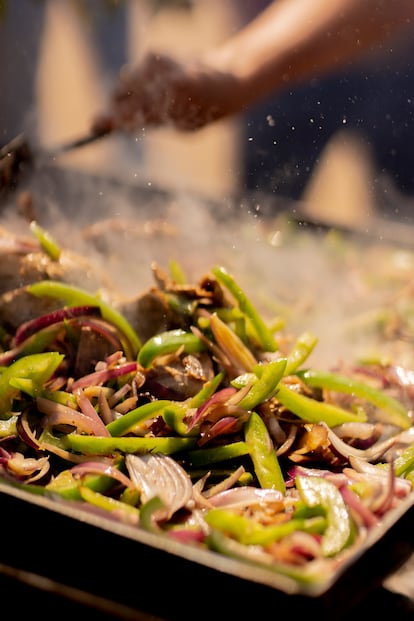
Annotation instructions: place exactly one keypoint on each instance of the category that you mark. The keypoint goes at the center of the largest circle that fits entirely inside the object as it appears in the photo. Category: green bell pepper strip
(250, 532)
(177, 272)
(216, 454)
(130, 496)
(167, 343)
(404, 463)
(314, 491)
(27, 386)
(263, 454)
(305, 576)
(47, 242)
(36, 367)
(242, 380)
(301, 351)
(147, 511)
(125, 423)
(67, 486)
(207, 391)
(62, 397)
(8, 426)
(394, 412)
(31, 488)
(174, 415)
(181, 305)
(34, 390)
(263, 334)
(238, 320)
(218, 474)
(38, 342)
(304, 511)
(269, 376)
(314, 411)
(109, 504)
(74, 296)
(100, 445)
(410, 477)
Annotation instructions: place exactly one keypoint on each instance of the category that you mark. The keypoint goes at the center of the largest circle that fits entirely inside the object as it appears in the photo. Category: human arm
(289, 42)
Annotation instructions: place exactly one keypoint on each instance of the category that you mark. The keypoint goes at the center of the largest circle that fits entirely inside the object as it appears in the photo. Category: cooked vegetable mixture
(212, 429)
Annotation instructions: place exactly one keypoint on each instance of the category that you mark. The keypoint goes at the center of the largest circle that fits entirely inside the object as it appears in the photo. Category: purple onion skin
(34, 325)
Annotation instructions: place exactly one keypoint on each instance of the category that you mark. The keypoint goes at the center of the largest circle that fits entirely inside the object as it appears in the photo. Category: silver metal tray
(128, 572)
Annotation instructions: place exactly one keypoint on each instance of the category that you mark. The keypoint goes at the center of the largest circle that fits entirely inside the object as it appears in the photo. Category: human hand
(163, 91)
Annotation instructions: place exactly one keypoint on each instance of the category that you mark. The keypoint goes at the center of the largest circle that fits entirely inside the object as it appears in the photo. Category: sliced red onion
(160, 475)
(288, 443)
(385, 492)
(58, 414)
(373, 453)
(125, 406)
(18, 245)
(89, 411)
(101, 327)
(200, 500)
(218, 354)
(273, 425)
(25, 432)
(100, 377)
(357, 430)
(4, 455)
(219, 397)
(116, 358)
(402, 486)
(29, 437)
(62, 453)
(119, 394)
(301, 547)
(226, 425)
(404, 377)
(34, 325)
(354, 503)
(383, 496)
(406, 437)
(28, 468)
(9, 356)
(384, 504)
(102, 467)
(247, 496)
(337, 478)
(105, 411)
(226, 484)
(186, 535)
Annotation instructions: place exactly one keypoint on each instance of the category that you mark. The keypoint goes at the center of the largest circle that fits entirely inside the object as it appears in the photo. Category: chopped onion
(160, 475)
(102, 467)
(243, 497)
(100, 377)
(34, 325)
(58, 414)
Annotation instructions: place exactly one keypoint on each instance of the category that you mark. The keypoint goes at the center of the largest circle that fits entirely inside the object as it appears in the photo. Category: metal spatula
(18, 156)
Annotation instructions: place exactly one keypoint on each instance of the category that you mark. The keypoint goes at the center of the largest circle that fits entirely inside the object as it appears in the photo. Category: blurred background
(341, 146)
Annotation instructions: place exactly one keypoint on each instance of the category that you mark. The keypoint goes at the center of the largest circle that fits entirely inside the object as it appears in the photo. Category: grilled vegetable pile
(213, 429)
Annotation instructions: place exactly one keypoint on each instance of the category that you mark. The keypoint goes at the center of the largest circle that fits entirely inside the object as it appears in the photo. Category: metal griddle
(60, 556)
(127, 572)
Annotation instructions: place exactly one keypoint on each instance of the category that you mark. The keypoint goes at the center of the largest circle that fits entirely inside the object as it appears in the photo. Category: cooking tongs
(18, 156)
